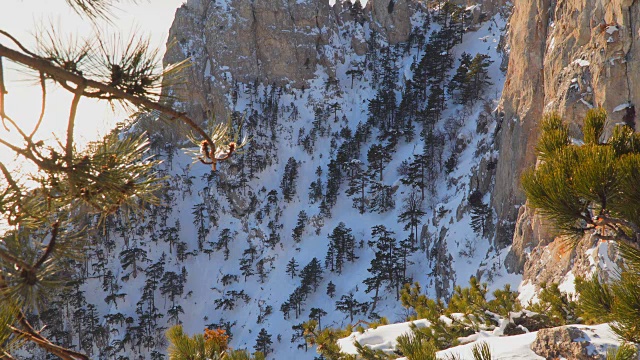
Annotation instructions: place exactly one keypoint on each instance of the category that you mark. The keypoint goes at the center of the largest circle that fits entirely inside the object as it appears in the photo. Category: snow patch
(621, 107)
(381, 338)
(581, 62)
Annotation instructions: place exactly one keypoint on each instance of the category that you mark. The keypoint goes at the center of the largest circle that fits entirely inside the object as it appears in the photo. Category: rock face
(566, 342)
(268, 42)
(565, 57)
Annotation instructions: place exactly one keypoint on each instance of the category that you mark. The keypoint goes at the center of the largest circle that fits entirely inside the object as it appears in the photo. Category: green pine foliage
(414, 346)
(326, 340)
(583, 188)
(555, 135)
(595, 303)
(366, 353)
(625, 351)
(185, 347)
(594, 124)
(481, 351)
(468, 311)
(8, 340)
(556, 304)
(203, 347)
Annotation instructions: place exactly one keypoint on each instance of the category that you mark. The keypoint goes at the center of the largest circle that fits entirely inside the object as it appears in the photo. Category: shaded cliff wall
(268, 42)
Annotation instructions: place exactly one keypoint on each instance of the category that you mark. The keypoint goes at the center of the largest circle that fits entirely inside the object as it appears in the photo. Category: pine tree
(289, 177)
(331, 289)
(382, 199)
(317, 314)
(172, 286)
(263, 342)
(224, 239)
(478, 76)
(315, 189)
(412, 213)
(358, 181)
(198, 222)
(133, 258)
(385, 264)
(334, 179)
(459, 83)
(378, 158)
(580, 187)
(311, 274)
(300, 225)
(480, 213)
(292, 267)
(335, 107)
(341, 248)
(349, 305)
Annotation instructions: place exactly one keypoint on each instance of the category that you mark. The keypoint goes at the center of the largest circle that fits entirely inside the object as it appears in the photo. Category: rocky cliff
(565, 56)
(269, 42)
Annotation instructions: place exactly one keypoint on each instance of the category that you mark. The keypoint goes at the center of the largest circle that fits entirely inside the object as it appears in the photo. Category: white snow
(621, 107)
(581, 62)
(382, 338)
(527, 292)
(600, 337)
(611, 29)
(204, 281)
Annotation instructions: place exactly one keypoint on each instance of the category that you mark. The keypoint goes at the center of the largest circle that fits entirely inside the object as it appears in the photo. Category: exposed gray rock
(566, 342)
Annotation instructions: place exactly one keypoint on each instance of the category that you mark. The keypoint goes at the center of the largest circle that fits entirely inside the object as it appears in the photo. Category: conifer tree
(133, 258)
(317, 314)
(478, 76)
(300, 225)
(263, 342)
(412, 213)
(382, 199)
(384, 266)
(378, 157)
(480, 213)
(292, 268)
(289, 177)
(311, 274)
(341, 248)
(358, 181)
(198, 222)
(172, 286)
(331, 289)
(350, 306)
(315, 189)
(224, 239)
(588, 188)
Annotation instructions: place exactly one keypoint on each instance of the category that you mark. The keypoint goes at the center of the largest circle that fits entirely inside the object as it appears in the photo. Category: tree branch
(61, 75)
(9, 178)
(15, 41)
(49, 249)
(3, 91)
(43, 342)
(6, 356)
(71, 124)
(43, 85)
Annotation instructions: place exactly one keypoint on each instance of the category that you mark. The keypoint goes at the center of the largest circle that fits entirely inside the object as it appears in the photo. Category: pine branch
(106, 91)
(49, 249)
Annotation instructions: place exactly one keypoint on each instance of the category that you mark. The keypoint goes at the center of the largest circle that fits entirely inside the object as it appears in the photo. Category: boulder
(565, 342)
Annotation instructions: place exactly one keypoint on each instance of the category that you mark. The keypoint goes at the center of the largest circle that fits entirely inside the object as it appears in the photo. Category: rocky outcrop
(268, 42)
(390, 18)
(566, 57)
(566, 342)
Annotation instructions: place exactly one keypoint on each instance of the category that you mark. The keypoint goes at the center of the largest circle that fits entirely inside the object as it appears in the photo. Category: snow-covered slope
(600, 339)
(215, 252)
